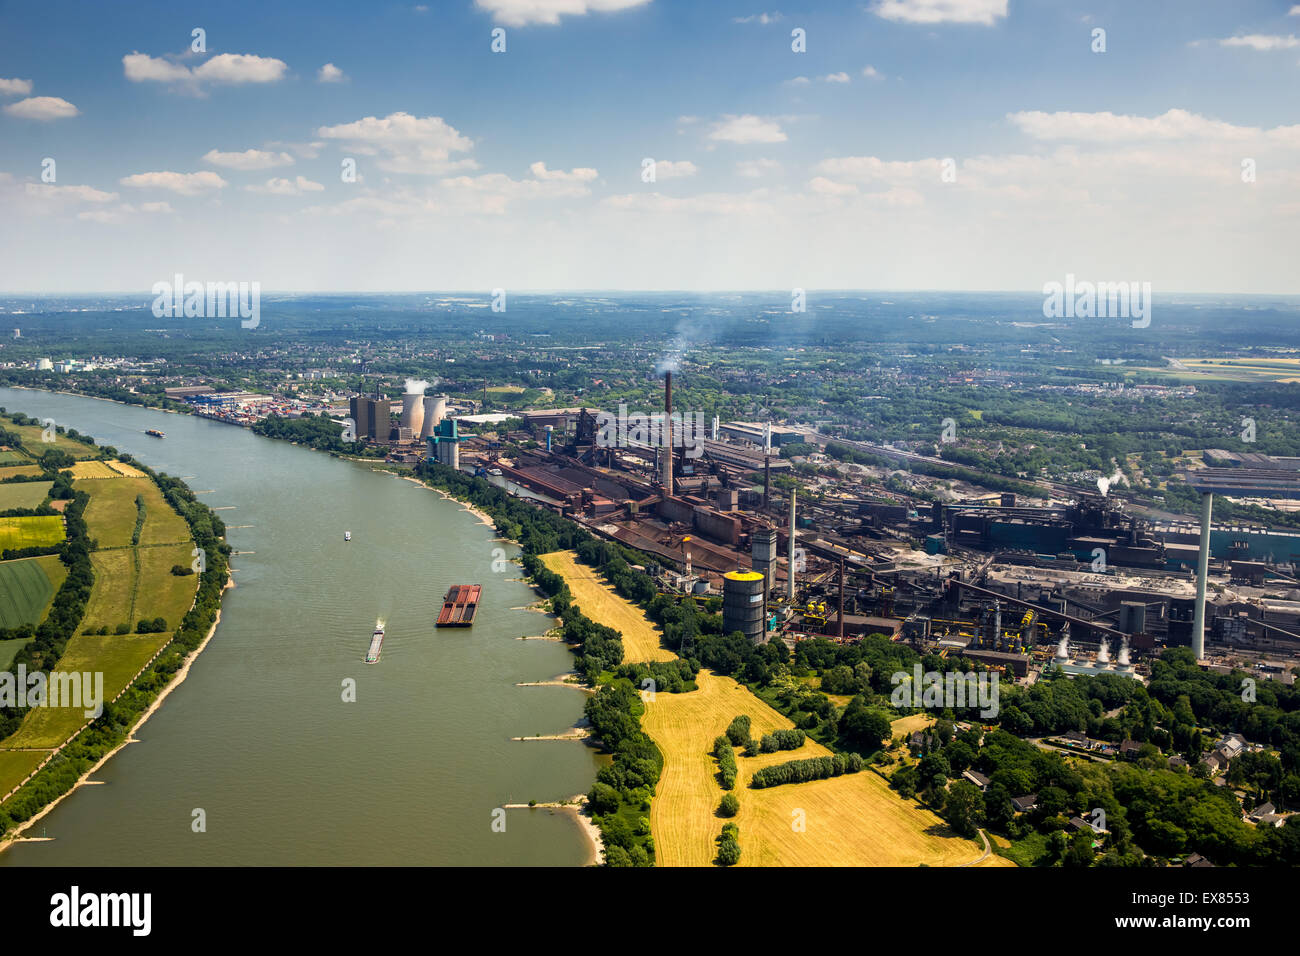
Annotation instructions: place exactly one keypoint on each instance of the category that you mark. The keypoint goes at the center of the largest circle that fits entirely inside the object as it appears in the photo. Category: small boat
(376, 645)
(347, 535)
(154, 432)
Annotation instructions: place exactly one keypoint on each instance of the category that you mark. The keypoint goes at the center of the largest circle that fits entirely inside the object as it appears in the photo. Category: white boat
(347, 535)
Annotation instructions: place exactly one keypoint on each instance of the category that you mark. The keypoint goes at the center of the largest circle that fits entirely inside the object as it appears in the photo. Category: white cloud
(329, 73)
(238, 68)
(15, 87)
(747, 129)
(287, 187)
(670, 169)
(872, 169)
(760, 18)
(1294, 11)
(409, 144)
(577, 175)
(184, 184)
(757, 168)
(840, 77)
(248, 159)
(520, 13)
(1112, 127)
(799, 81)
(985, 12)
(1258, 41)
(226, 68)
(870, 71)
(42, 108)
(157, 207)
(79, 193)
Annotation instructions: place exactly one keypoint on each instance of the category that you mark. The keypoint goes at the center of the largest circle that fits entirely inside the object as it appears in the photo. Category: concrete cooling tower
(413, 411)
(435, 410)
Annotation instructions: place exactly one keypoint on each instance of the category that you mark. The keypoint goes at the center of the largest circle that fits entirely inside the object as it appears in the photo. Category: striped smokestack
(668, 434)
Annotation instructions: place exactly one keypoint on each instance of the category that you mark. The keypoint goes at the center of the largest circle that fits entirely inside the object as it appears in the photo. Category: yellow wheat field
(601, 604)
(853, 820)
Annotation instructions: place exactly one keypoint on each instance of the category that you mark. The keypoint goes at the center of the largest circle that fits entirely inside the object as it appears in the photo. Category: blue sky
(523, 169)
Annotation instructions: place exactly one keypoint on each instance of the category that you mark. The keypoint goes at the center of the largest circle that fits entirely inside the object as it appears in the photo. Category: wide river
(259, 736)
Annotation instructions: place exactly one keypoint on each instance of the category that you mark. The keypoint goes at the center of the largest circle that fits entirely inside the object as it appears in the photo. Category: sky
(879, 144)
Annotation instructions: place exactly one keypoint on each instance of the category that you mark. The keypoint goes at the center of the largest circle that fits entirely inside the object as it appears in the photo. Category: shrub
(729, 806)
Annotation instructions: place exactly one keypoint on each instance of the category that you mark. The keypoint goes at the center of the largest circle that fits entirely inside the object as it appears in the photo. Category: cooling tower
(413, 411)
(435, 410)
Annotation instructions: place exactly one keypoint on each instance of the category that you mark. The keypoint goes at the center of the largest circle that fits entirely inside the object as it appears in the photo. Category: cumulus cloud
(42, 108)
(870, 72)
(287, 187)
(521, 13)
(984, 12)
(184, 184)
(840, 77)
(747, 129)
(15, 87)
(248, 159)
(405, 143)
(231, 69)
(329, 73)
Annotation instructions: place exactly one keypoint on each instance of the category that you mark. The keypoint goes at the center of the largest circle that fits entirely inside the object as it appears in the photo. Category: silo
(743, 606)
(413, 411)
(435, 410)
(763, 554)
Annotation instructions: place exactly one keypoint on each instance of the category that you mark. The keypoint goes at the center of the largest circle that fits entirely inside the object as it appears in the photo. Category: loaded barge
(460, 605)
(376, 645)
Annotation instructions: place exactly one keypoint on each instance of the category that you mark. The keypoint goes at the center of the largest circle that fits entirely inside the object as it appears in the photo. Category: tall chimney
(790, 583)
(767, 483)
(667, 459)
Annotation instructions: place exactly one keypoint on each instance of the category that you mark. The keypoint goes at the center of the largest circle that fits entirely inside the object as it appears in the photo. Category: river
(259, 737)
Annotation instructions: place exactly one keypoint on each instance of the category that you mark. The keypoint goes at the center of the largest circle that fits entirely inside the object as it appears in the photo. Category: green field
(160, 592)
(27, 588)
(15, 766)
(110, 598)
(111, 513)
(7, 651)
(31, 439)
(38, 532)
(24, 494)
(118, 657)
(13, 458)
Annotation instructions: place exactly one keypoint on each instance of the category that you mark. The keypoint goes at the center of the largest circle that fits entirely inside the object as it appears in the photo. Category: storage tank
(413, 411)
(743, 606)
(435, 410)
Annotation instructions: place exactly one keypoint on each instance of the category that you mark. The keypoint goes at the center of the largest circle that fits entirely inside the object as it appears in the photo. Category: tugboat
(347, 535)
(154, 432)
(376, 645)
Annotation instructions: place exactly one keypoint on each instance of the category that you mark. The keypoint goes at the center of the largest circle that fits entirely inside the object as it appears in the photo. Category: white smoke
(1105, 484)
(415, 386)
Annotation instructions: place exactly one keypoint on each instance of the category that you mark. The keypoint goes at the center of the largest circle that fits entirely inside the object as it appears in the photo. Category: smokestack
(685, 542)
(714, 435)
(841, 597)
(790, 583)
(668, 434)
(767, 483)
(1202, 572)
(767, 439)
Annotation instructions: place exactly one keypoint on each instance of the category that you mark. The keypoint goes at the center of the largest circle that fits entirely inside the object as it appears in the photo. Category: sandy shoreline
(576, 805)
(16, 835)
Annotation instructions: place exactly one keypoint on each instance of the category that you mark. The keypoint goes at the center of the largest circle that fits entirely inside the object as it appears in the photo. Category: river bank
(577, 806)
(16, 835)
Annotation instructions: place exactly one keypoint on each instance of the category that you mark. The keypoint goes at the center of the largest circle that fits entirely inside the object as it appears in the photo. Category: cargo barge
(460, 605)
(376, 645)
(154, 432)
